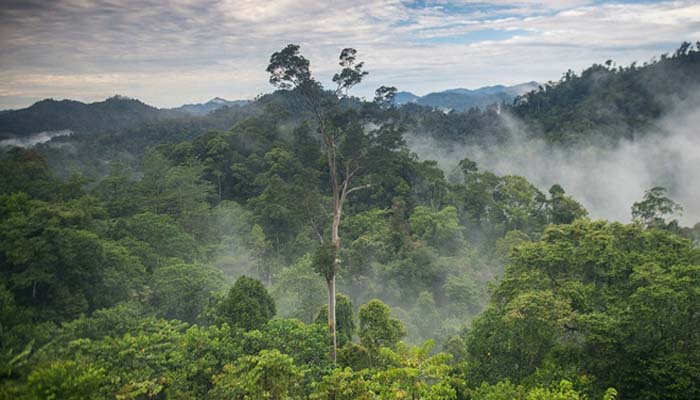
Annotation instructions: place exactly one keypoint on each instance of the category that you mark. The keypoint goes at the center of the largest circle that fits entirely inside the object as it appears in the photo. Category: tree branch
(356, 188)
(313, 223)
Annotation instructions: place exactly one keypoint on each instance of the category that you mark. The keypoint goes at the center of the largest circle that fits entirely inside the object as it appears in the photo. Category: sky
(167, 53)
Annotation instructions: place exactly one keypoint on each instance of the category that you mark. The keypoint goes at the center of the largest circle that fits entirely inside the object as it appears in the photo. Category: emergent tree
(290, 70)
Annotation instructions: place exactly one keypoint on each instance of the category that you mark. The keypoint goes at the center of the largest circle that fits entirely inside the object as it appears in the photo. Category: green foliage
(323, 261)
(345, 384)
(52, 258)
(247, 305)
(233, 244)
(177, 190)
(115, 321)
(29, 174)
(164, 236)
(369, 238)
(384, 96)
(267, 375)
(100, 283)
(505, 245)
(285, 188)
(67, 380)
(494, 205)
(344, 318)
(108, 116)
(299, 291)
(288, 68)
(11, 362)
(415, 271)
(355, 356)
(439, 229)
(351, 74)
(157, 359)
(563, 209)
(424, 314)
(654, 208)
(616, 102)
(503, 390)
(377, 328)
(566, 392)
(606, 300)
(182, 291)
(414, 373)
(307, 344)
(411, 373)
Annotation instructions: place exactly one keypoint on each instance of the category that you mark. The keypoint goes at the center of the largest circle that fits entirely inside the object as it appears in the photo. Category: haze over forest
(425, 200)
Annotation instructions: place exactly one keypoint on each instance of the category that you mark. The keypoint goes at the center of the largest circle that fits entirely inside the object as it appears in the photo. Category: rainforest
(538, 242)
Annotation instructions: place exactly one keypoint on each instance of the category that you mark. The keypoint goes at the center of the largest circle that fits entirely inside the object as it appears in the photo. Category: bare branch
(352, 173)
(314, 225)
(356, 188)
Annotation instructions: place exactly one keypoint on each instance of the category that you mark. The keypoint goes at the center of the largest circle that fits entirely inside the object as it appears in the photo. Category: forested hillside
(109, 116)
(604, 101)
(211, 105)
(297, 248)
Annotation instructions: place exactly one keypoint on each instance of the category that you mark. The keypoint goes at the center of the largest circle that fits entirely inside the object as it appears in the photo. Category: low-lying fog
(607, 180)
(34, 138)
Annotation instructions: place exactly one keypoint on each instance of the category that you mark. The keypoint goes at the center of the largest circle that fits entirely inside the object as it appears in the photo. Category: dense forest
(605, 101)
(297, 248)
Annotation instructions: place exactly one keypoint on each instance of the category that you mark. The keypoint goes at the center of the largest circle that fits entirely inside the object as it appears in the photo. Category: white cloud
(174, 52)
(606, 179)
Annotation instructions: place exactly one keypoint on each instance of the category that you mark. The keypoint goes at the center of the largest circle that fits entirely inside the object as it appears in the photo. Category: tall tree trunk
(289, 69)
(218, 180)
(335, 240)
(331, 317)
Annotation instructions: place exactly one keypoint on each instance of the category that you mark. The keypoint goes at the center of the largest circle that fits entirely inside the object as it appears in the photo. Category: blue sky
(183, 51)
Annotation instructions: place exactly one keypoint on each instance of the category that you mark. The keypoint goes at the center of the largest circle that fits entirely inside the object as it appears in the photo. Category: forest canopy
(297, 248)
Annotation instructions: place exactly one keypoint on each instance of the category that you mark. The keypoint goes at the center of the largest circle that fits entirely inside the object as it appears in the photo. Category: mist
(606, 178)
(34, 138)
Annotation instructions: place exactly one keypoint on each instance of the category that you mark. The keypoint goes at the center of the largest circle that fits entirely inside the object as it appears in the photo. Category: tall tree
(247, 305)
(290, 70)
(653, 210)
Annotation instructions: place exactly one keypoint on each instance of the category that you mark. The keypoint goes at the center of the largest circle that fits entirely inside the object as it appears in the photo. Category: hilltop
(464, 99)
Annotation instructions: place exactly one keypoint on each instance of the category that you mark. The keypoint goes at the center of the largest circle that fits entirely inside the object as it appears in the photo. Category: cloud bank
(606, 179)
(180, 51)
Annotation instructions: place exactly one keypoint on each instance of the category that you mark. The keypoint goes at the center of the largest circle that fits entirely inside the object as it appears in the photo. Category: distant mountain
(405, 97)
(118, 112)
(464, 99)
(211, 105)
(110, 115)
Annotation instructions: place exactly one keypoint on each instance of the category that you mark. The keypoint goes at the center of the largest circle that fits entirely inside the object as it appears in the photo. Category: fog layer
(606, 178)
(33, 139)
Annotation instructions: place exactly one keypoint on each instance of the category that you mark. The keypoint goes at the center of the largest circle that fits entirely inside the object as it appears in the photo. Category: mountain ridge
(119, 112)
(112, 114)
(462, 99)
(209, 106)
